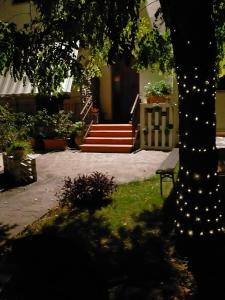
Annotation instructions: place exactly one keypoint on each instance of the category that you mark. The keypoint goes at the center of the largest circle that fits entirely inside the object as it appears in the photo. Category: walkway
(23, 205)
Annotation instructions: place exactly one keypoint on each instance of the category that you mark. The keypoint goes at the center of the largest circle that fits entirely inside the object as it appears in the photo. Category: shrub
(24, 124)
(8, 130)
(58, 125)
(61, 124)
(87, 191)
(158, 88)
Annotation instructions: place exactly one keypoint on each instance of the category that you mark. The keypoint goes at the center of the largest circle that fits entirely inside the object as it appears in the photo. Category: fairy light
(190, 232)
(197, 176)
(196, 182)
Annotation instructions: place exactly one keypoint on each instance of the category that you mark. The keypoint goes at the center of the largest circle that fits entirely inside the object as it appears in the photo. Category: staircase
(111, 138)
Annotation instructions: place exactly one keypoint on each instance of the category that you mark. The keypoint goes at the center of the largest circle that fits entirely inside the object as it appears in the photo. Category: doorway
(125, 87)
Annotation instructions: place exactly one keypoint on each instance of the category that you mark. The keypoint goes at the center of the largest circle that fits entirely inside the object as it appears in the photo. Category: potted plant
(19, 168)
(157, 92)
(41, 127)
(58, 131)
(19, 149)
(78, 132)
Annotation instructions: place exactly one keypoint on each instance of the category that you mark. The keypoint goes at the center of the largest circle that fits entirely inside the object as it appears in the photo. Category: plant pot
(158, 99)
(32, 142)
(55, 144)
(78, 140)
(19, 155)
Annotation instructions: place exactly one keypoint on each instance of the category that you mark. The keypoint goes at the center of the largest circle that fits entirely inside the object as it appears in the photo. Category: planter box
(55, 144)
(19, 171)
(158, 99)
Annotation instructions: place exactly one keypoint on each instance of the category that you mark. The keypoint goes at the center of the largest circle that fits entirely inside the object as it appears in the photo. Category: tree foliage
(153, 48)
(51, 47)
(45, 49)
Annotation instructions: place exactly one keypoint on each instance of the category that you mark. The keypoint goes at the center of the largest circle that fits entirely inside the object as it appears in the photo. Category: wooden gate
(157, 126)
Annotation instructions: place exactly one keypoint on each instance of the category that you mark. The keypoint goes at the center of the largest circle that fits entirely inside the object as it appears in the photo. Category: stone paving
(22, 205)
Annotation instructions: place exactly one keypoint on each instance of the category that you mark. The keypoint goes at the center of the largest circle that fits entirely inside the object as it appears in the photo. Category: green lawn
(128, 201)
(124, 241)
(132, 199)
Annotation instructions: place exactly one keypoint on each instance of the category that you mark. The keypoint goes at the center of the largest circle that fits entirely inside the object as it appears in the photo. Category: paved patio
(22, 205)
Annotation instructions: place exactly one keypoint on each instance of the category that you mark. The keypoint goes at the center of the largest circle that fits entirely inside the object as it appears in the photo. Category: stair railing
(89, 116)
(85, 110)
(135, 116)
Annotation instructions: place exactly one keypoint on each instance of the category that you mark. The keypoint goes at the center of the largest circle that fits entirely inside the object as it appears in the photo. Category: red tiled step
(220, 133)
(103, 148)
(111, 127)
(111, 133)
(109, 140)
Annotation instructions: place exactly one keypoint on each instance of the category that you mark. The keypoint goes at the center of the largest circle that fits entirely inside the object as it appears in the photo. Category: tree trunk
(199, 205)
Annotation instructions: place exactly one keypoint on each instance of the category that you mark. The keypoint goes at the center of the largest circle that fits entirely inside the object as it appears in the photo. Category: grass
(128, 201)
(131, 199)
(131, 258)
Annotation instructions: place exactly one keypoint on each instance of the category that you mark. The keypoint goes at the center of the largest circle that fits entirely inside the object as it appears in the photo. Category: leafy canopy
(77, 37)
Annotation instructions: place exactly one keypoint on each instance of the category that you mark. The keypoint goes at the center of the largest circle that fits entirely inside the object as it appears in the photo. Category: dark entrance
(125, 87)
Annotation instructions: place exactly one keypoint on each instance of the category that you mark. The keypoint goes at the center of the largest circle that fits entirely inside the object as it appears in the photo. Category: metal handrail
(134, 118)
(88, 129)
(134, 105)
(85, 106)
(87, 111)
